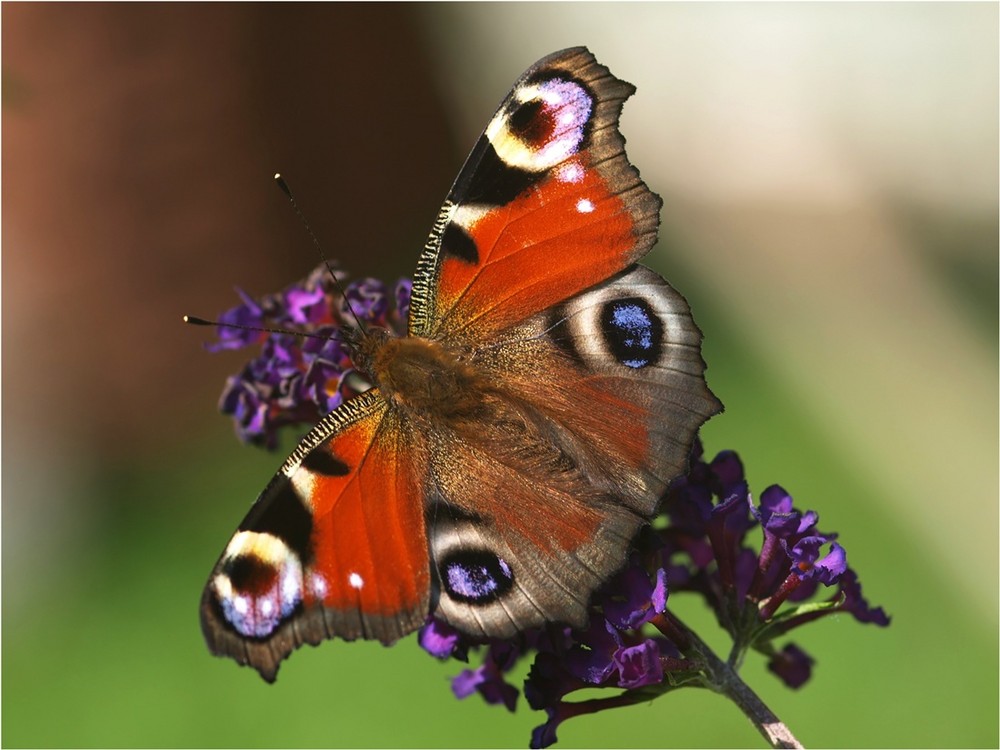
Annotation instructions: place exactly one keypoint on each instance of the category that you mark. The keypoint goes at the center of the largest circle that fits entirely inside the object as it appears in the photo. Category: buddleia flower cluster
(763, 566)
(298, 379)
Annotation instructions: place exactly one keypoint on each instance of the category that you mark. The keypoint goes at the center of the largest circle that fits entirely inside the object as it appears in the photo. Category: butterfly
(515, 440)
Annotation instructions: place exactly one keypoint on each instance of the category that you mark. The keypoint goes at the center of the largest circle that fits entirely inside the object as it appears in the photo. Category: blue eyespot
(633, 332)
(476, 576)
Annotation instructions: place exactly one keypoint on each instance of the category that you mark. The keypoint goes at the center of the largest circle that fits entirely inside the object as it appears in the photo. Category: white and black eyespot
(630, 322)
(544, 124)
(258, 583)
(469, 571)
(476, 576)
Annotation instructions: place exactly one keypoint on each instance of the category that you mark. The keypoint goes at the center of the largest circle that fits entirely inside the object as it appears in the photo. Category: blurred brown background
(140, 141)
(829, 173)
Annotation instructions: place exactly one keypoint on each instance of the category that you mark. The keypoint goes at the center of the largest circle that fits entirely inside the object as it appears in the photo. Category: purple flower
(592, 658)
(639, 665)
(305, 305)
(549, 680)
(727, 473)
(613, 649)
(636, 599)
(792, 665)
(243, 400)
(402, 292)
(727, 526)
(298, 379)
(442, 640)
(777, 515)
(367, 298)
(488, 679)
(232, 335)
(856, 604)
(545, 734)
(805, 555)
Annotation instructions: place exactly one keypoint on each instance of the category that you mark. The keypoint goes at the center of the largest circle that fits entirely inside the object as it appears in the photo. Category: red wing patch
(370, 548)
(536, 251)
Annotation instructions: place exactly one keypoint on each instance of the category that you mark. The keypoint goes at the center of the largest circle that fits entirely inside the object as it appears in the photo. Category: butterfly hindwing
(636, 354)
(600, 399)
(335, 545)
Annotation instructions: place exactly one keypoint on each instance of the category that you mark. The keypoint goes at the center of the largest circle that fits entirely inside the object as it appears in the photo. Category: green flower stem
(722, 678)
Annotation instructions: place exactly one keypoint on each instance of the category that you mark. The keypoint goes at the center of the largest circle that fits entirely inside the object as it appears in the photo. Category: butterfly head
(362, 343)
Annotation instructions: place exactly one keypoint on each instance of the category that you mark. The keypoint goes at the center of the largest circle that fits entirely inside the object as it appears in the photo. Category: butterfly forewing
(546, 205)
(334, 545)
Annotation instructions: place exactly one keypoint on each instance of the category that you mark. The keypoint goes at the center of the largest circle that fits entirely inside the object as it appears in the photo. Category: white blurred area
(820, 163)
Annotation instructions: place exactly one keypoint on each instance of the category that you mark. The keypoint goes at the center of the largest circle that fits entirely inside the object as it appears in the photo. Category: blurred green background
(829, 175)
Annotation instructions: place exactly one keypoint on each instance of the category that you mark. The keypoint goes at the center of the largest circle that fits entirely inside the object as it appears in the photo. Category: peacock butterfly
(548, 390)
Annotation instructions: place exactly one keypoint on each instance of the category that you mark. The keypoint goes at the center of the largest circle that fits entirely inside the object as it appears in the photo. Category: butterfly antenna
(319, 249)
(196, 321)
